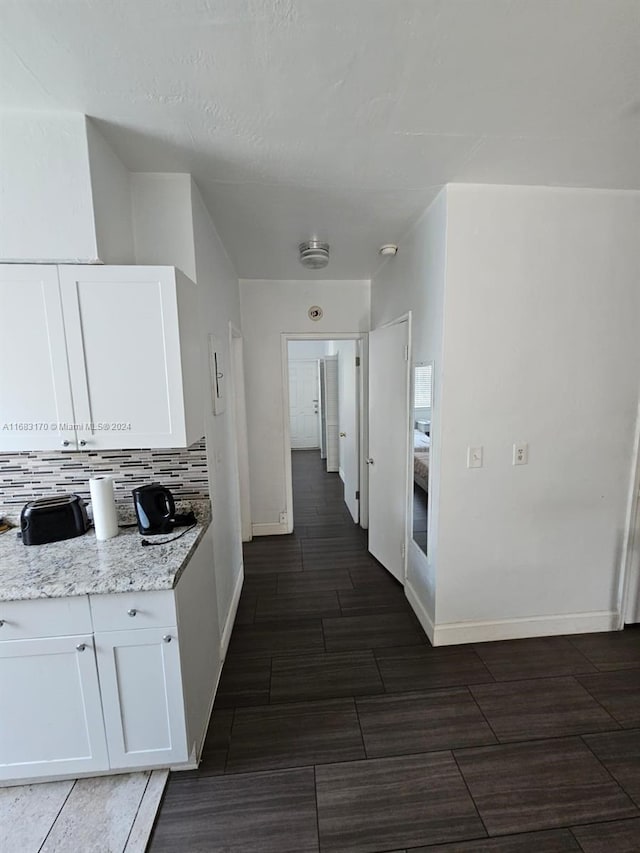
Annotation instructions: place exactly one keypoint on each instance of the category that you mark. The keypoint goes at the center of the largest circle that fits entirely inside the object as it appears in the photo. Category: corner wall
(269, 309)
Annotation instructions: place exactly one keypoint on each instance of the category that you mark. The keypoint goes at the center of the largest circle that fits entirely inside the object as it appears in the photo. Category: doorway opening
(324, 389)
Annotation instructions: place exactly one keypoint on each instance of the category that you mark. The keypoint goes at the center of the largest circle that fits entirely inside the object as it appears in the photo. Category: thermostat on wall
(315, 312)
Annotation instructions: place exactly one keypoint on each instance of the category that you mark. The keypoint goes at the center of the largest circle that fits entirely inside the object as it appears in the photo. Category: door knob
(343, 435)
(81, 647)
(369, 461)
(132, 612)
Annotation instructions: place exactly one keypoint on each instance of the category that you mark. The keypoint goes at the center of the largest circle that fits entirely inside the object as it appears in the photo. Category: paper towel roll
(105, 518)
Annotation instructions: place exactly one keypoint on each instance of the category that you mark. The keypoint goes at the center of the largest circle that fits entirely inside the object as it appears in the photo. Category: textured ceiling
(338, 118)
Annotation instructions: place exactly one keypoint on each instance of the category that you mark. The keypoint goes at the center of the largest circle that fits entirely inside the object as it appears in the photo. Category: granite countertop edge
(82, 566)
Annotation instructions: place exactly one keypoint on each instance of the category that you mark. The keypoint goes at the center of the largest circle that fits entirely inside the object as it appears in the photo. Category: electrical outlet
(474, 457)
(283, 518)
(520, 453)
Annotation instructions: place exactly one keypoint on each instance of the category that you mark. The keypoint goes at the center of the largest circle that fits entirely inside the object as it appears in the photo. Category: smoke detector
(388, 250)
(314, 255)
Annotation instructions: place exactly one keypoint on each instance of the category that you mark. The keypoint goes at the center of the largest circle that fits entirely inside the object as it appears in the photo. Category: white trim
(268, 529)
(625, 590)
(455, 633)
(231, 616)
(419, 610)
(239, 430)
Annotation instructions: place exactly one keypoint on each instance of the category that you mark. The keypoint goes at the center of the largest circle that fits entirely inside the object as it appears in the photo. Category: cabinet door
(50, 714)
(35, 392)
(123, 343)
(142, 697)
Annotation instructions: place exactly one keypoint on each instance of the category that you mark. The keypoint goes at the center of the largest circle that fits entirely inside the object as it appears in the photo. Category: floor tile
(270, 638)
(620, 754)
(111, 802)
(611, 650)
(619, 693)
(27, 813)
(324, 676)
(369, 632)
(386, 803)
(370, 574)
(146, 814)
(252, 813)
(244, 681)
(425, 668)
(272, 608)
(380, 599)
(293, 735)
(540, 708)
(314, 581)
(422, 722)
(263, 584)
(539, 657)
(541, 785)
(552, 841)
(619, 837)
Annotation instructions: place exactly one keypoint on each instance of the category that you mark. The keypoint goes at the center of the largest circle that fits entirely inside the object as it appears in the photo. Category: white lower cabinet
(50, 711)
(142, 697)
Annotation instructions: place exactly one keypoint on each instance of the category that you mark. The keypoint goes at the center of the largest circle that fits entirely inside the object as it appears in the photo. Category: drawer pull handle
(1, 622)
(83, 443)
(81, 647)
(167, 638)
(132, 612)
(65, 443)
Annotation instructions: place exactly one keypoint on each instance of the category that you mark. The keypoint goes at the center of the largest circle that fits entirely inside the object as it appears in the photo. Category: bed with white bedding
(421, 448)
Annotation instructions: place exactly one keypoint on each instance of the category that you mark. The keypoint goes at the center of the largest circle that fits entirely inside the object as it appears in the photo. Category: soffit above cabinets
(339, 120)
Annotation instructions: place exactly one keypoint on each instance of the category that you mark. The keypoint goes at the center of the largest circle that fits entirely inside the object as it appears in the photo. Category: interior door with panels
(35, 390)
(142, 697)
(388, 459)
(123, 340)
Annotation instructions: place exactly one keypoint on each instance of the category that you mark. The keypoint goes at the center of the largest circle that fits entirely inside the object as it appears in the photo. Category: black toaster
(53, 519)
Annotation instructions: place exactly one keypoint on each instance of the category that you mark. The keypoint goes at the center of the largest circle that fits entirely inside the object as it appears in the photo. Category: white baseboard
(274, 529)
(455, 633)
(231, 615)
(423, 617)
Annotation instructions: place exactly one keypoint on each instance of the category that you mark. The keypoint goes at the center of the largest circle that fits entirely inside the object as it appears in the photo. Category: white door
(323, 418)
(331, 402)
(388, 450)
(35, 391)
(125, 355)
(348, 405)
(50, 713)
(142, 697)
(303, 403)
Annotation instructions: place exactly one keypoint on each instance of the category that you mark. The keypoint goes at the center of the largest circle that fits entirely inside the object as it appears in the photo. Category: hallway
(337, 727)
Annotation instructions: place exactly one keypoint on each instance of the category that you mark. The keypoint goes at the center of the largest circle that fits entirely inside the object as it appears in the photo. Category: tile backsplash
(25, 476)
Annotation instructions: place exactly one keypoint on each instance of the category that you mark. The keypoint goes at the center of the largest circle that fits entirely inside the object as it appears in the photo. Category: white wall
(111, 198)
(163, 220)
(269, 309)
(414, 281)
(308, 349)
(541, 345)
(46, 208)
(219, 305)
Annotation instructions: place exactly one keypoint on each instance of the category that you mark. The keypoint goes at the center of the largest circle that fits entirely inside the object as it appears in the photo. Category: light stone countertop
(82, 565)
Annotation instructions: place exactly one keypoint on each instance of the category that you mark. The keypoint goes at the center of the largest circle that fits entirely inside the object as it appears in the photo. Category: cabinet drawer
(126, 610)
(44, 617)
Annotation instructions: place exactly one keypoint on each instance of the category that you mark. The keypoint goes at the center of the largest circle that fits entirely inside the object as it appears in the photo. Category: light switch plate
(521, 453)
(474, 457)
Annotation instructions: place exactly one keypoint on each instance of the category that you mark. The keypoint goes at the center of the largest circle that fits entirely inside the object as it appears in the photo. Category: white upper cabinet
(126, 338)
(35, 389)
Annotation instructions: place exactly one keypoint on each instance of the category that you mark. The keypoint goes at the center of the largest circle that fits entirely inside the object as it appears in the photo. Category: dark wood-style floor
(337, 727)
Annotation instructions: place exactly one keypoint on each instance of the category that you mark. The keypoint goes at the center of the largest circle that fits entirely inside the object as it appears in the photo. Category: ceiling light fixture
(314, 255)
(388, 250)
